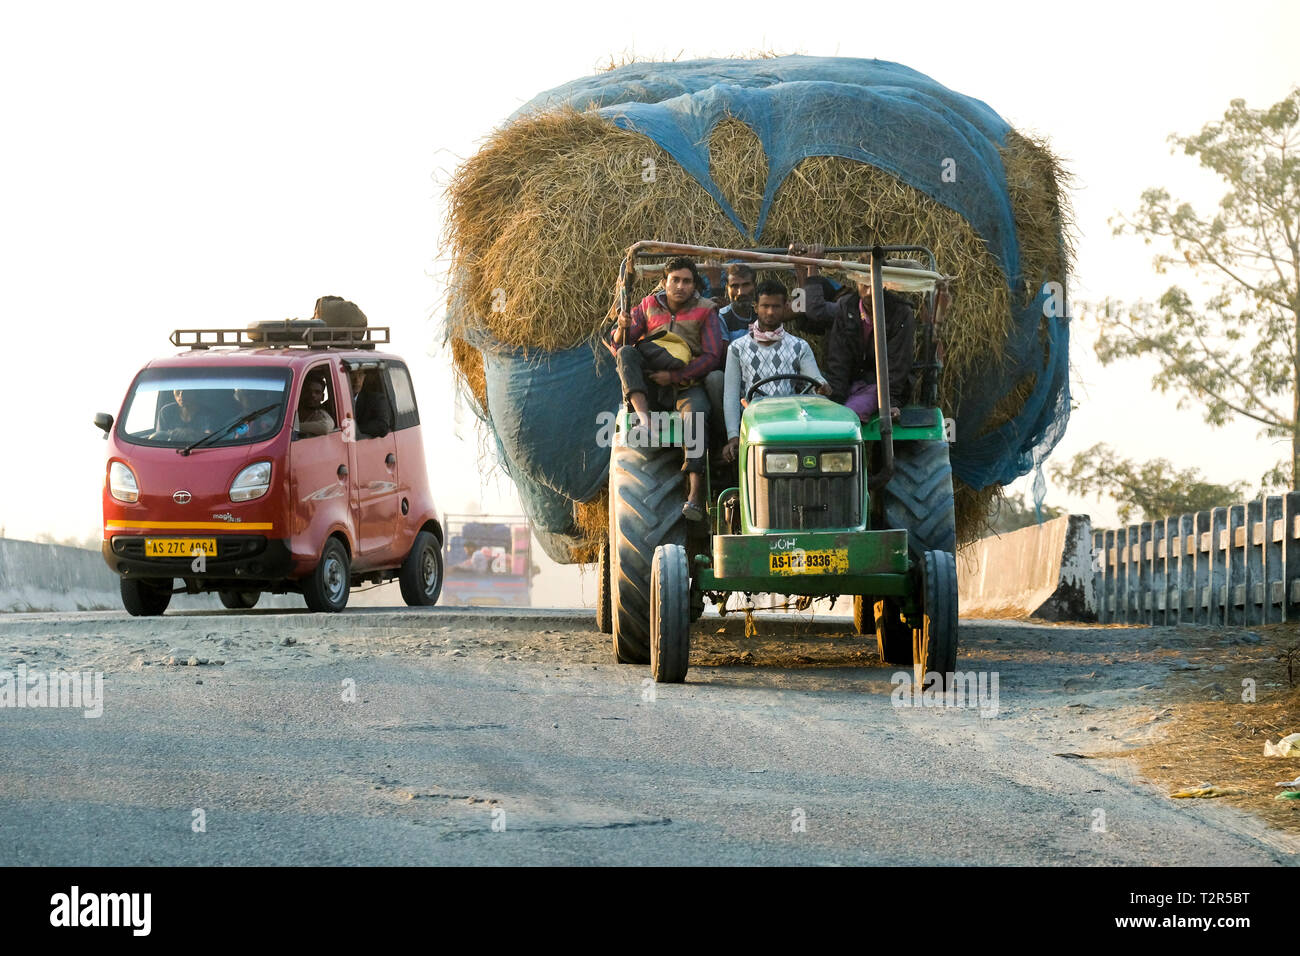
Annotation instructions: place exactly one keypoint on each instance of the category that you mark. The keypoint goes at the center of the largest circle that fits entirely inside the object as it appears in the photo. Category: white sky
(168, 165)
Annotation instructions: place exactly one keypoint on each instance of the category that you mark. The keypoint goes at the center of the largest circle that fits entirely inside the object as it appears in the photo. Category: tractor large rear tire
(934, 643)
(646, 492)
(919, 497)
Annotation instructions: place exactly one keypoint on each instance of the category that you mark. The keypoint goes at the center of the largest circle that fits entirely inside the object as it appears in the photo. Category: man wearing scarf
(767, 350)
(850, 343)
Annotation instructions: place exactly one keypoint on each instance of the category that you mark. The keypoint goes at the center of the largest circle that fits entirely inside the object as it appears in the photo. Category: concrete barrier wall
(55, 577)
(1044, 571)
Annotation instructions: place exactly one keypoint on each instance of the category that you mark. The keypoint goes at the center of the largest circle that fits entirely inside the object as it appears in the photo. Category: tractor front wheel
(670, 626)
(934, 643)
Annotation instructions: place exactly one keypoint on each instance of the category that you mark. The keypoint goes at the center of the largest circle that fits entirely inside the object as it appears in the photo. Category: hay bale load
(742, 153)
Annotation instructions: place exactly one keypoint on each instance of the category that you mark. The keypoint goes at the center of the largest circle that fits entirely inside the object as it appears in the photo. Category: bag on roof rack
(339, 313)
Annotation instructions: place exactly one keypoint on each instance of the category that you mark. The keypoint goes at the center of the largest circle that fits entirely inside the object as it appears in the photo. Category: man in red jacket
(651, 377)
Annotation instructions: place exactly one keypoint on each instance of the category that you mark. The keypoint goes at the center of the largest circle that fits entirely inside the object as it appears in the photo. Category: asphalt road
(453, 737)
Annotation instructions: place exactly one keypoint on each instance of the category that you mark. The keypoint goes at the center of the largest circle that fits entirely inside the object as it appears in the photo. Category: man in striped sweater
(767, 350)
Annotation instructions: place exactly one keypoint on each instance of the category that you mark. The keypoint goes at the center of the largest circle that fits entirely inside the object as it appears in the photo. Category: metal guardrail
(1237, 565)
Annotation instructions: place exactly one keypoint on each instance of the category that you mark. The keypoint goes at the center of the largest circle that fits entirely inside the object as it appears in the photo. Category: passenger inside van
(312, 417)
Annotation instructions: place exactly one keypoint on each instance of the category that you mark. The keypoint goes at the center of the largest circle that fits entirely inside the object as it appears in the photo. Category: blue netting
(543, 408)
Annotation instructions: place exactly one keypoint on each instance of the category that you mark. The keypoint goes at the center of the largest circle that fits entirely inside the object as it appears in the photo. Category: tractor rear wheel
(603, 621)
(918, 498)
(893, 636)
(645, 510)
(670, 627)
(934, 643)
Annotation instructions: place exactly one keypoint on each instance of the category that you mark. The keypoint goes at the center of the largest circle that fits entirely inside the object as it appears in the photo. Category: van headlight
(836, 462)
(121, 482)
(252, 482)
(780, 463)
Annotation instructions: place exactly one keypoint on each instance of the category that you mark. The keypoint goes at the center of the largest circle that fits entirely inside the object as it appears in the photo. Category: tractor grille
(807, 500)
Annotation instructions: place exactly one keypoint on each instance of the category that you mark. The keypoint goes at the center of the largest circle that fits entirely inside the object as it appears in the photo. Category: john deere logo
(809, 461)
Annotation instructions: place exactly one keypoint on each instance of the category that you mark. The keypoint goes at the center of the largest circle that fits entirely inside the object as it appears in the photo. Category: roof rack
(288, 333)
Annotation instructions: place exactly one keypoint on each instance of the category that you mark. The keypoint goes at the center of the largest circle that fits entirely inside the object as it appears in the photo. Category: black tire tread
(919, 498)
(893, 636)
(313, 587)
(935, 642)
(239, 600)
(645, 502)
(670, 628)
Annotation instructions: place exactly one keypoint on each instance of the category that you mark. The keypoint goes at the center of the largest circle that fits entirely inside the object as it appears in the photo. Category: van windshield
(174, 407)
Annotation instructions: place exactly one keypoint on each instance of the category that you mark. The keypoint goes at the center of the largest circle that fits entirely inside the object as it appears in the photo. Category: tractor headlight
(252, 482)
(121, 482)
(836, 462)
(780, 463)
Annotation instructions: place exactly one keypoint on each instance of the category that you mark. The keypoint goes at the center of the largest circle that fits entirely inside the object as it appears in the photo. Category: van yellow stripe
(191, 525)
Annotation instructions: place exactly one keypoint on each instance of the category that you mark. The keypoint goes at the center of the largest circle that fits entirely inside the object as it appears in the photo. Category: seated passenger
(371, 408)
(850, 342)
(311, 418)
(767, 350)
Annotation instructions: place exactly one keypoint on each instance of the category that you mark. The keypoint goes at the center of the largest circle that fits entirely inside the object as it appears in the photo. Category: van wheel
(327, 587)
(144, 598)
(421, 575)
(239, 600)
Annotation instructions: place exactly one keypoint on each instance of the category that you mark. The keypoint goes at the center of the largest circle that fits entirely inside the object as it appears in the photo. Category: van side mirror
(104, 422)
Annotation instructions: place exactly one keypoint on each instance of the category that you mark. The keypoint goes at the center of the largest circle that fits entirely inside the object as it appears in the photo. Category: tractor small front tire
(934, 643)
(239, 600)
(603, 620)
(326, 588)
(145, 598)
(863, 620)
(670, 626)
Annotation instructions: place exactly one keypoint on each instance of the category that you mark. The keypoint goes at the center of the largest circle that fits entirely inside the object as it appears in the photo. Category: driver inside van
(312, 418)
(183, 419)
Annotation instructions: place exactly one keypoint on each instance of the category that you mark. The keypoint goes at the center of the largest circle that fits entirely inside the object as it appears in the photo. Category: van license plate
(810, 562)
(179, 547)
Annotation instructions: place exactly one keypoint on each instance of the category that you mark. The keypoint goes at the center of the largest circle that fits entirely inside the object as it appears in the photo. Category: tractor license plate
(179, 547)
(811, 562)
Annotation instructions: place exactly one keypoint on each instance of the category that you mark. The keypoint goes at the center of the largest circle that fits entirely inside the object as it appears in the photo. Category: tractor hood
(799, 418)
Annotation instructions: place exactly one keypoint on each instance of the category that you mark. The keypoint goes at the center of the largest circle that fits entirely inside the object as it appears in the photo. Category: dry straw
(541, 216)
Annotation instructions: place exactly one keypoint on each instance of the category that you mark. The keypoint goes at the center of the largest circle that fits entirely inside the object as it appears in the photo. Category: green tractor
(825, 504)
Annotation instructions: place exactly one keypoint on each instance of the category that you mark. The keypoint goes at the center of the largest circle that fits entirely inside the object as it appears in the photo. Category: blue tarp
(543, 406)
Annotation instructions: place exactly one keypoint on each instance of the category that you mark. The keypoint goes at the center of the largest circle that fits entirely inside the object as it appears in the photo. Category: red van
(284, 457)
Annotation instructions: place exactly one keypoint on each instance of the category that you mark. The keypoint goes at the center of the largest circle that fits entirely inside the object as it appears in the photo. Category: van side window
(408, 416)
(316, 413)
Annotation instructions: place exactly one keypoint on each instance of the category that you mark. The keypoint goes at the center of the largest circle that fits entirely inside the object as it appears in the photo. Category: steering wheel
(811, 384)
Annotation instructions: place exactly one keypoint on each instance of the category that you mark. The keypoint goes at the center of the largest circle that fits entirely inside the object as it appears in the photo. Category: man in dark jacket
(850, 343)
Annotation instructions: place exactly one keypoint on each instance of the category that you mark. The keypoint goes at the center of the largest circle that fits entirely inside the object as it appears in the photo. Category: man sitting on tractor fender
(678, 310)
(767, 350)
(850, 344)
